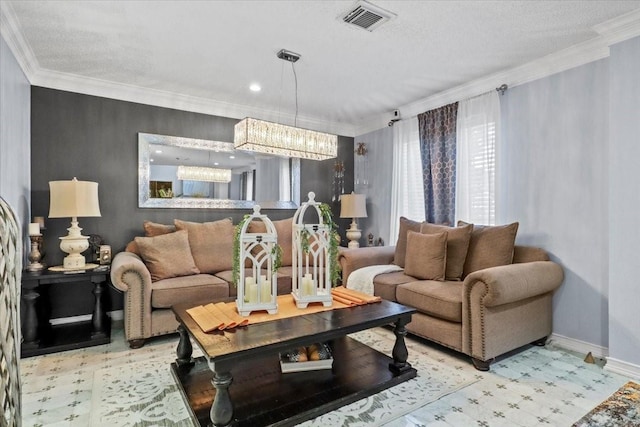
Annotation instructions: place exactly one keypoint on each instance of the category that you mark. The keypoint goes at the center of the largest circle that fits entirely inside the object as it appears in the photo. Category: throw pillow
(426, 255)
(152, 229)
(490, 246)
(132, 247)
(457, 245)
(167, 255)
(211, 244)
(406, 225)
(284, 229)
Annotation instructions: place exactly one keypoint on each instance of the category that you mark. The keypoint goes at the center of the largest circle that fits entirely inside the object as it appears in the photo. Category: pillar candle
(39, 220)
(34, 229)
(265, 291)
(248, 281)
(253, 294)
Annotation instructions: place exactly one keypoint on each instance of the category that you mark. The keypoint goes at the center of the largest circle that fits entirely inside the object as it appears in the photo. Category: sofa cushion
(211, 244)
(132, 247)
(406, 225)
(152, 229)
(490, 246)
(457, 246)
(384, 285)
(167, 255)
(197, 289)
(439, 299)
(284, 229)
(426, 255)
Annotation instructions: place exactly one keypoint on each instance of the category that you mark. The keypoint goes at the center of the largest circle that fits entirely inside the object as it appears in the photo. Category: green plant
(327, 218)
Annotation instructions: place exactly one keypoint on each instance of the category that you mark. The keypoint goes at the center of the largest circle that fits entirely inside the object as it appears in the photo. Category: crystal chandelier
(281, 140)
(198, 173)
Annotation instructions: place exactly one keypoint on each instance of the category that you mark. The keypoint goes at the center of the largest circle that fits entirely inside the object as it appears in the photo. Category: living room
(568, 171)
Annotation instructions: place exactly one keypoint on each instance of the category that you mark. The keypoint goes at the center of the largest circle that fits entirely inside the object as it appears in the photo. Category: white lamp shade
(73, 199)
(353, 206)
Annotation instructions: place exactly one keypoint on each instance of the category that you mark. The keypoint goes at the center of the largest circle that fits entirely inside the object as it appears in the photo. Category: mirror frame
(144, 169)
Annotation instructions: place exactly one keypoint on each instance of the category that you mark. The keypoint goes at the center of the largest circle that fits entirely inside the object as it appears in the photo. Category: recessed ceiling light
(151, 160)
(216, 164)
(232, 157)
(158, 151)
(255, 87)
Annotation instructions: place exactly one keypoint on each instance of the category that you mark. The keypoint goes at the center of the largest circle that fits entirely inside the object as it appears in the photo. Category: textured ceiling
(215, 49)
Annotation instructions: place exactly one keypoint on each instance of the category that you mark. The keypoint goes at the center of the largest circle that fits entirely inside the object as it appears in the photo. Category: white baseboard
(623, 368)
(115, 315)
(582, 347)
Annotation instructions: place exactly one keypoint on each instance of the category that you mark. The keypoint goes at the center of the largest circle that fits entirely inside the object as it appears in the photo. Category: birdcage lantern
(311, 281)
(258, 280)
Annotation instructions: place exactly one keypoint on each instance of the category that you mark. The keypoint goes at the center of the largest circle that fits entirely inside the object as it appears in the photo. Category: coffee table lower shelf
(263, 396)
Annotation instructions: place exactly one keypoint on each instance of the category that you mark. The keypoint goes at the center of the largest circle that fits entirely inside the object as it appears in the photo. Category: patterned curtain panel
(438, 153)
(10, 271)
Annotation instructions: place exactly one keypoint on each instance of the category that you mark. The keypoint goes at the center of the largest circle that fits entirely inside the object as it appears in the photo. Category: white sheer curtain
(477, 133)
(407, 191)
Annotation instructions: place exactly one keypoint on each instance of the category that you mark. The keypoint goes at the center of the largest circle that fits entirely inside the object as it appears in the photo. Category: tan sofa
(184, 263)
(487, 313)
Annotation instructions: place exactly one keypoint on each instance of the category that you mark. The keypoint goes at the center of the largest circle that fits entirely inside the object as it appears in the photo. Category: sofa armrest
(514, 282)
(130, 275)
(506, 307)
(353, 259)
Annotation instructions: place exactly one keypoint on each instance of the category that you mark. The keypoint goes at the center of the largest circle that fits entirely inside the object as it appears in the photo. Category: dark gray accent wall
(96, 139)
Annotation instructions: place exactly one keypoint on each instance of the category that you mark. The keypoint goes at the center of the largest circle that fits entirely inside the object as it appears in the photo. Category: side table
(39, 336)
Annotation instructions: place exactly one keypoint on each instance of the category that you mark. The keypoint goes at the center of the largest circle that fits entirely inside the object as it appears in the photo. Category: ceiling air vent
(366, 16)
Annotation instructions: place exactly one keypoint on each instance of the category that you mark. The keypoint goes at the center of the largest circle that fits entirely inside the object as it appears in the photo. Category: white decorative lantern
(257, 290)
(311, 281)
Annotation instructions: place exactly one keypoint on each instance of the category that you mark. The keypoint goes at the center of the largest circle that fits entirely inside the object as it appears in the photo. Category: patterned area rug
(145, 394)
(622, 409)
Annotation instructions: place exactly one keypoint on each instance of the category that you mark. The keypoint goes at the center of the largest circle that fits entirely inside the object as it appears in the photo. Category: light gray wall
(624, 202)
(378, 192)
(15, 135)
(554, 174)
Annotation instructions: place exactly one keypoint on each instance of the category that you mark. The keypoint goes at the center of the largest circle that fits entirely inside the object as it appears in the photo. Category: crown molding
(574, 56)
(131, 93)
(609, 32)
(621, 28)
(10, 30)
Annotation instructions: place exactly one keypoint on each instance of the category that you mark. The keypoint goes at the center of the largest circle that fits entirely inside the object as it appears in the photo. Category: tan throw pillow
(406, 225)
(152, 229)
(167, 255)
(426, 256)
(211, 244)
(457, 246)
(132, 247)
(490, 246)
(284, 229)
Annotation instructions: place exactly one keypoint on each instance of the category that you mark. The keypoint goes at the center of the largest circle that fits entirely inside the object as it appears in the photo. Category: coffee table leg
(222, 408)
(400, 353)
(184, 349)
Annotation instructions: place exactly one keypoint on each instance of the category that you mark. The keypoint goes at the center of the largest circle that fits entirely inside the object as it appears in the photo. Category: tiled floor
(541, 386)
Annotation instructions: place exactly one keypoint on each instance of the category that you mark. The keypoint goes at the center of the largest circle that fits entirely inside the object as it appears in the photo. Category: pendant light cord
(295, 77)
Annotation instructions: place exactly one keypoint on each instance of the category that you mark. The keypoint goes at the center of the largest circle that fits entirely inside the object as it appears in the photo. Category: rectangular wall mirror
(176, 172)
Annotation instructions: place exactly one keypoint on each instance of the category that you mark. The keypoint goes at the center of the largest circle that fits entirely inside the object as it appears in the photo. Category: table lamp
(74, 199)
(353, 206)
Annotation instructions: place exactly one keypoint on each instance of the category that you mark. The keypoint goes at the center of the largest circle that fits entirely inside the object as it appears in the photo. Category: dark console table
(39, 336)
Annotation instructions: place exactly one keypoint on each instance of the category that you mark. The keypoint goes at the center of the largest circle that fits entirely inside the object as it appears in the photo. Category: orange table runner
(218, 316)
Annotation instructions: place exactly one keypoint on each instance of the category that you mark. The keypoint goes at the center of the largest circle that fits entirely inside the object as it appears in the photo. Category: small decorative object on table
(312, 358)
(370, 239)
(259, 253)
(315, 253)
(35, 256)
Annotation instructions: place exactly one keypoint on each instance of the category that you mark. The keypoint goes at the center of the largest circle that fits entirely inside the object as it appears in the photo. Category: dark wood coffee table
(260, 393)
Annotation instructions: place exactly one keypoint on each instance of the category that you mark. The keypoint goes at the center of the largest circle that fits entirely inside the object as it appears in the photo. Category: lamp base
(74, 244)
(354, 235)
